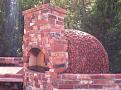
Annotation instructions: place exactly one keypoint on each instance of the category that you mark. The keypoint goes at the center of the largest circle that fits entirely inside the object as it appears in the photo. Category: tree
(3, 46)
(104, 23)
(27, 4)
(10, 28)
(76, 9)
(100, 18)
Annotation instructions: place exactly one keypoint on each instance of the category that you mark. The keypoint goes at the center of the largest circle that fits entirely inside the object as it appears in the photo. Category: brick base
(76, 81)
(88, 82)
(52, 81)
(11, 61)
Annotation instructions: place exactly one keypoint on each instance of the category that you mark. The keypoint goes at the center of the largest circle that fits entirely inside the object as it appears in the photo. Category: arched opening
(37, 60)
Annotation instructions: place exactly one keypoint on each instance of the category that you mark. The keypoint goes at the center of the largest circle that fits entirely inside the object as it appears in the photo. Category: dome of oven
(86, 53)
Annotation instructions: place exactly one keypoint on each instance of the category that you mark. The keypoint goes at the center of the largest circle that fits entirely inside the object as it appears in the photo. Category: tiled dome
(86, 53)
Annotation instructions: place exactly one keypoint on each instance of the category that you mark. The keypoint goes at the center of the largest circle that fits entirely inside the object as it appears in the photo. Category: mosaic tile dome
(86, 53)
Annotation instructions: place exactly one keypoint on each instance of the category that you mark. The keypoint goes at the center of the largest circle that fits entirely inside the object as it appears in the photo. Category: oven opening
(37, 61)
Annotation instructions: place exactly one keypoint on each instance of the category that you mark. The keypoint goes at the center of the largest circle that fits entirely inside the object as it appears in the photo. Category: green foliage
(76, 10)
(2, 19)
(104, 22)
(10, 28)
(27, 4)
(72, 14)
(101, 18)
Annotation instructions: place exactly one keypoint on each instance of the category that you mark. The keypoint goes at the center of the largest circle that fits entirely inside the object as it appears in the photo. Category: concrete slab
(10, 70)
(11, 74)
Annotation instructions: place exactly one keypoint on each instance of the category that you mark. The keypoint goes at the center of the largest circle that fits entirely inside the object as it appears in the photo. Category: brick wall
(13, 61)
(86, 81)
(73, 81)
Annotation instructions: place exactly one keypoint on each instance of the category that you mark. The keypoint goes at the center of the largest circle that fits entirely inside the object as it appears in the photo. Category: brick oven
(45, 56)
(44, 46)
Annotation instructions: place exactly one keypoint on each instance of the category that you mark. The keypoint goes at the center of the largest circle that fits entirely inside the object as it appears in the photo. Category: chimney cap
(43, 7)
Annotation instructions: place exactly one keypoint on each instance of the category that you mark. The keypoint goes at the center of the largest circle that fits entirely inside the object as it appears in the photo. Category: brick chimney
(44, 17)
(43, 27)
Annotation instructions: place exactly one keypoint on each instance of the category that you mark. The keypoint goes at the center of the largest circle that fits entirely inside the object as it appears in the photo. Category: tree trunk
(12, 27)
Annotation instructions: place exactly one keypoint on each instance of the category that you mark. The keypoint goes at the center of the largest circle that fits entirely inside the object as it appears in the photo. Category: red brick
(60, 70)
(58, 60)
(111, 86)
(102, 81)
(63, 86)
(118, 76)
(51, 21)
(83, 77)
(75, 82)
(59, 22)
(44, 11)
(58, 48)
(52, 16)
(69, 77)
(95, 86)
(42, 22)
(96, 76)
(79, 86)
(57, 27)
(119, 85)
(102, 76)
